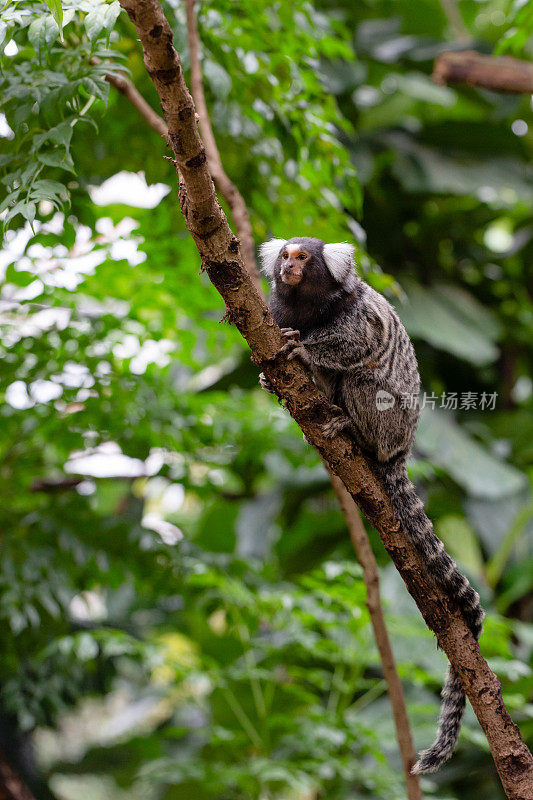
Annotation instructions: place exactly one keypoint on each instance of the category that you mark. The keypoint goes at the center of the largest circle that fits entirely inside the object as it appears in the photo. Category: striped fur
(410, 511)
(358, 350)
(451, 715)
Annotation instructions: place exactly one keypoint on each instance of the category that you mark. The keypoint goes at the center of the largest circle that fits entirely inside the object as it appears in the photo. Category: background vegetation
(181, 613)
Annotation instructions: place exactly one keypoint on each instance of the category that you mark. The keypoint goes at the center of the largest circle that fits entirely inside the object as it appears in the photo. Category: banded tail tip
(430, 761)
(420, 769)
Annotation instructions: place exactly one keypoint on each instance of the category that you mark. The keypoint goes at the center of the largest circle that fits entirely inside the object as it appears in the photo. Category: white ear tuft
(269, 252)
(340, 261)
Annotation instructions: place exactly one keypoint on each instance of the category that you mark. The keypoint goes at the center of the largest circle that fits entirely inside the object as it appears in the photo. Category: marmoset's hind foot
(337, 425)
(265, 384)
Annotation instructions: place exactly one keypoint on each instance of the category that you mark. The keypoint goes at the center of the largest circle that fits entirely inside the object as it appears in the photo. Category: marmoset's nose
(290, 264)
(291, 271)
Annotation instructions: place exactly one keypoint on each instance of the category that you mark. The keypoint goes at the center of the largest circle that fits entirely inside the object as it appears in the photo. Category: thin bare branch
(366, 558)
(221, 259)
(500, 74)
(126, 88)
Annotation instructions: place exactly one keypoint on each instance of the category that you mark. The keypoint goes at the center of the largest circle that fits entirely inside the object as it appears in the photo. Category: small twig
(500, 74)
(126, 88)
(366, 558)
(55, 485)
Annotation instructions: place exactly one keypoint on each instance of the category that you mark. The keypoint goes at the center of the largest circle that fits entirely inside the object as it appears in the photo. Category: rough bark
(489, 72)
(220, 254)
(225, 186)
(366, 558)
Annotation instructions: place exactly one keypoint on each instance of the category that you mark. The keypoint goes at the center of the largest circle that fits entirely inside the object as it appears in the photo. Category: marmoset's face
(300, 265)
(294, 259)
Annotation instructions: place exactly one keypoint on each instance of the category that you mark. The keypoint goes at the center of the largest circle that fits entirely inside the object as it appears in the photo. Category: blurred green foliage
(181, 611)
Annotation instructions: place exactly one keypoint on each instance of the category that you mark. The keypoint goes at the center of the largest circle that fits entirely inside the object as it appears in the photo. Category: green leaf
(481, 474)
(470, 310)
(101, 18)
(216, 531)
(42, 32)
(461, 543)
(19, 277)
(48, 190)
(339, 76)
(99, 88)
(12, 212)
(421, 169)
(422, 88)
(60, 134)
(504, 526)
(57, 158)
(28, 212)
(432, 315)
(10, 198)
(57, 13)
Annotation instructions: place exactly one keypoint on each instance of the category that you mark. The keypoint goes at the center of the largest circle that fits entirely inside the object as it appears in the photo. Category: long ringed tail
(410, 511)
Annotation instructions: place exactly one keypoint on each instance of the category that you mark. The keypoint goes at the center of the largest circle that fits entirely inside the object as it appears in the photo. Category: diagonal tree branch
(348, 507)
(225, 186)
(131, 93)
(355, 527)
(221, 259)
(501, 74)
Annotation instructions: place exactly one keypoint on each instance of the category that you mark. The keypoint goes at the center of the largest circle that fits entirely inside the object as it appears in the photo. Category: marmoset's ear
(340, 261)
(269, 252)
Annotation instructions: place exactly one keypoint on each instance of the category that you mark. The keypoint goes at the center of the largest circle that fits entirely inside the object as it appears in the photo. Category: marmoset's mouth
(291, 278)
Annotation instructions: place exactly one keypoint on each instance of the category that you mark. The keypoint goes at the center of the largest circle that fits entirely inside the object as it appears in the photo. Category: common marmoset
(361, 357)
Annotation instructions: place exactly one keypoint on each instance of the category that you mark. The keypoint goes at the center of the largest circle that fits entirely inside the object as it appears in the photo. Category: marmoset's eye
(285, 255)
(302, 256)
